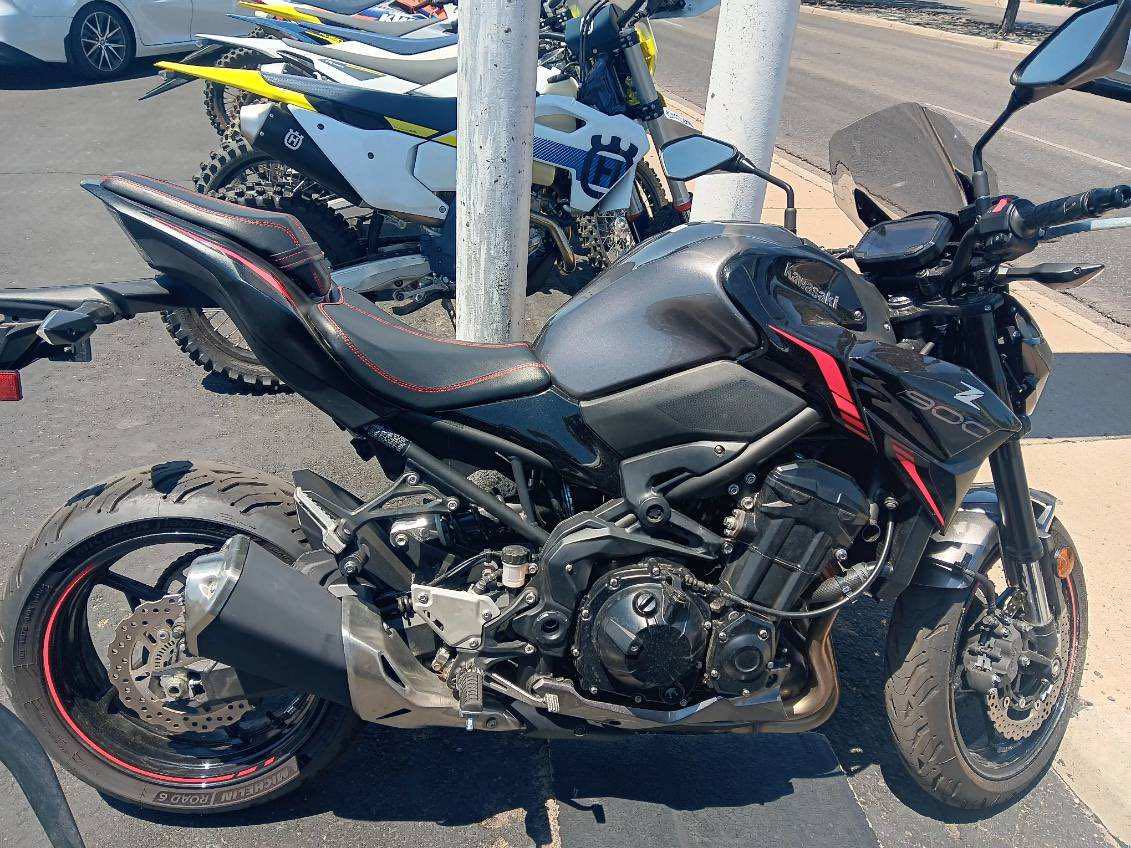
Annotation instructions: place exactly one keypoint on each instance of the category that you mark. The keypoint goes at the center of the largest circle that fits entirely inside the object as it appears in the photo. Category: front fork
(1023, 550)
(652, 105)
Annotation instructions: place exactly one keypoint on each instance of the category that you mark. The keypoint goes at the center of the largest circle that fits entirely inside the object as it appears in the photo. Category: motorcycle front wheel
(966, 749)
(114, 552)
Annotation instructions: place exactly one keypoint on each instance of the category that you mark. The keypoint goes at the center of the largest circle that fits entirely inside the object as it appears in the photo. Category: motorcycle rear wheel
(125, 541)
(959, 756)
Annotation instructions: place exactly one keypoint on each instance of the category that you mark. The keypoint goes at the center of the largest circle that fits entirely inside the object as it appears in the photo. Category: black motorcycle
(647, 521)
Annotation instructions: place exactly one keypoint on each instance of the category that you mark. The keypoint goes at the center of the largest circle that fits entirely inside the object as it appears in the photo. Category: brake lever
(1059, 276)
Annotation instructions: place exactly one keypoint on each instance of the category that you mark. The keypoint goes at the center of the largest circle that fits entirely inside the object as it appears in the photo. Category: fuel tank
(728, 330)
(697, 294)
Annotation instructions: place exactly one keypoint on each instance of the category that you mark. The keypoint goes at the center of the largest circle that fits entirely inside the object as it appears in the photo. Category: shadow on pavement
(447, 777)
(49, 76)
(1087, 396)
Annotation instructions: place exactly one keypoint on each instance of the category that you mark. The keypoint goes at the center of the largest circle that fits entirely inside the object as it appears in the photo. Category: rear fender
(266, 307)
(956, 553)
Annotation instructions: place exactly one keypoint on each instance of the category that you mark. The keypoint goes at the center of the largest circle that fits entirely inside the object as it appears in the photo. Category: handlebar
(1065, 210)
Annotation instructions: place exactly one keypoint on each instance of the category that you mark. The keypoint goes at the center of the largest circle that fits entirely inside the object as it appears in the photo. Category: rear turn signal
(10, 388)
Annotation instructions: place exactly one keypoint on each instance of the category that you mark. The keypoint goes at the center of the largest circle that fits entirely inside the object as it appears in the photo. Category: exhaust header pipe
(248, 609)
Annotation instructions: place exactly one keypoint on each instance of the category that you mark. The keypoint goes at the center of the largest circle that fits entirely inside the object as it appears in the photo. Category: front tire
(87, 560)
(101, 42)
(926, 638)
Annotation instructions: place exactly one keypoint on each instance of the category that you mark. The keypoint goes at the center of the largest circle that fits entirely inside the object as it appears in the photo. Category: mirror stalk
(980, 178)
(790, 215)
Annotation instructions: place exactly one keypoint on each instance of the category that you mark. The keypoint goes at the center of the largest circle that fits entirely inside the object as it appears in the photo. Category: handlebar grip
(1065, 210)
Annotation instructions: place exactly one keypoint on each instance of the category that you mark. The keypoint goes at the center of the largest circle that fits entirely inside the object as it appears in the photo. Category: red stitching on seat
(413, 386)
(133, 178)
(412, 331)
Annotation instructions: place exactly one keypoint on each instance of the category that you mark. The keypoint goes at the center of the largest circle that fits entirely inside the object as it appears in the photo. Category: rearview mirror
(1089, 45)
(695, 155)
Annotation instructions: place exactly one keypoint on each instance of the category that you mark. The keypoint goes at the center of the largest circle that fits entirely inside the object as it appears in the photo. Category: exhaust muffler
(248, 609)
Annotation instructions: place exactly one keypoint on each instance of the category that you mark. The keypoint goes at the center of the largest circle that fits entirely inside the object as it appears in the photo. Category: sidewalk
(1080, 450)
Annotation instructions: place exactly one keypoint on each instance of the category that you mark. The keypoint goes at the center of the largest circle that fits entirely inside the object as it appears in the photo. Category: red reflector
(10, 388)
(682, 207)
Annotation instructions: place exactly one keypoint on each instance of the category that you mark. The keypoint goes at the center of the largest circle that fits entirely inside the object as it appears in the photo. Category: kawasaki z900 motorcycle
(648, 520)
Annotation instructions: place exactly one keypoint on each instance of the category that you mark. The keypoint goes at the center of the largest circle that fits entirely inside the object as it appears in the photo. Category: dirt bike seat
(416, 370)
(375, 25)
(344, 7)
(373, 110)
(277, 237)
(389, 43)
(419, 71)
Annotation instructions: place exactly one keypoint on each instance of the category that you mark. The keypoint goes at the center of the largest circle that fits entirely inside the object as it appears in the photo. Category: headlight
(647, 43)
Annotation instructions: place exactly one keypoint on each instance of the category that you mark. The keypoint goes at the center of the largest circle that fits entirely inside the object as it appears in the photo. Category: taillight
(10, 388)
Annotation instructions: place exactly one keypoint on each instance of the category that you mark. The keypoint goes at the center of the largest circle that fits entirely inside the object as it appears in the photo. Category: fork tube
(652, 105)
(1022, 548)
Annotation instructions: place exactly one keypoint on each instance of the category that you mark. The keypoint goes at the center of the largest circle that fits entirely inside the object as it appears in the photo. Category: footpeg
(469, 689)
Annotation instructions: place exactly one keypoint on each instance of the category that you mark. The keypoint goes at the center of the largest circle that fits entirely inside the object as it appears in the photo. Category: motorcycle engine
(640, 638)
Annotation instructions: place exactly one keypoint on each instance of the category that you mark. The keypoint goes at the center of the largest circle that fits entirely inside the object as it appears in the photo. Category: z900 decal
(949, 415)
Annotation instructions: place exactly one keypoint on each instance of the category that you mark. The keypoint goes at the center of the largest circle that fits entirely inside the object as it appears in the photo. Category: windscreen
(899, 161)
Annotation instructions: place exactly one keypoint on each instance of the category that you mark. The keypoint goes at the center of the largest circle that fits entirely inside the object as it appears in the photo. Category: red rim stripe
(49, 680)
(834, 379)
(907, 462)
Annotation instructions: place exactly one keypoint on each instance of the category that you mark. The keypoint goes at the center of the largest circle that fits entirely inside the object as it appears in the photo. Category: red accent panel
(52, 691)
(907, 462)
(1001, 205)
(834, 379)
(10, 386)
(272, 281)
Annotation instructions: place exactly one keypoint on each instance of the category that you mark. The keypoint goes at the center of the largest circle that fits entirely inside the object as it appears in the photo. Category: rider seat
(372, 110)
(276, 236)
(417, 370)
(389, 43)
(419, 71)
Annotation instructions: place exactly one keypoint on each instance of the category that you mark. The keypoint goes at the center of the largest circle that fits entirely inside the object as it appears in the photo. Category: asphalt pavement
(141, 402)
(842, 70)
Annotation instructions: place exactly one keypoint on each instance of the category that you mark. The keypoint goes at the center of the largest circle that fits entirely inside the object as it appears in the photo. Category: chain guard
(149, 643)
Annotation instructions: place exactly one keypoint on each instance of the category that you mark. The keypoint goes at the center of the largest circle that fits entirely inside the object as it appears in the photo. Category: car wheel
(101, 42)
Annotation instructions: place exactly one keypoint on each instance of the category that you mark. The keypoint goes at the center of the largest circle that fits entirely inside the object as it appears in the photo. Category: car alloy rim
(103, 41)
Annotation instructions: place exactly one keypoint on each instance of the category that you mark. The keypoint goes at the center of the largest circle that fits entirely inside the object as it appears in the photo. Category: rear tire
(51, 603)
(221, 103)
(203, 334)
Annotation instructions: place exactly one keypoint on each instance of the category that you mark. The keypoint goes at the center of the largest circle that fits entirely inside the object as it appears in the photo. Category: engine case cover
(640, 638)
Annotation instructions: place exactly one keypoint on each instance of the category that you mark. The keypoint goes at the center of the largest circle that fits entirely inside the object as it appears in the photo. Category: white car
(99, 39)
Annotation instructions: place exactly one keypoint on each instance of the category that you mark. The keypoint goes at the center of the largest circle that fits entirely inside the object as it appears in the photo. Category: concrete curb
(926, 32)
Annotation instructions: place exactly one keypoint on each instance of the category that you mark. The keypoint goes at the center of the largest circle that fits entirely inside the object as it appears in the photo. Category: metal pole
(748, 74)
(498, 56)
